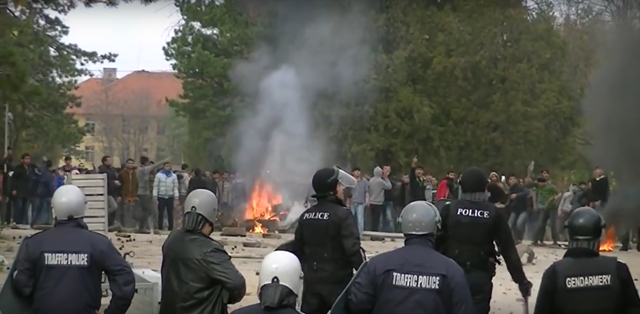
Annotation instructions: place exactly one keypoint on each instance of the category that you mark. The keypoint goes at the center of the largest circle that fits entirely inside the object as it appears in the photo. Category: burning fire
(610, 240)
(260, 205)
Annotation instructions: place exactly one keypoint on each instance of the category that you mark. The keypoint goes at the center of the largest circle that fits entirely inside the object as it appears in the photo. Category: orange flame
(260, 205)
(610, 240)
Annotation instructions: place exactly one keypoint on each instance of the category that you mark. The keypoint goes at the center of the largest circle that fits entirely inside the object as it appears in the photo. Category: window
(145, 152)
(126, 126)
(143, 128)
(88, 154)
(161, 128)
(90, 127)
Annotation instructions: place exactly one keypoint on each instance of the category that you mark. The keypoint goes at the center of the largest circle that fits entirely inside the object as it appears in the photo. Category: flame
(260, 205)
(610, 240)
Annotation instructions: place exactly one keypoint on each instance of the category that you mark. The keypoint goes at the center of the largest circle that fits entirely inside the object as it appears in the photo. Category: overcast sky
(136, 33)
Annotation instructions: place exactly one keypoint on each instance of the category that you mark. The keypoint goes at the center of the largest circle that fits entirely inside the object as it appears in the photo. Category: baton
(526, 305)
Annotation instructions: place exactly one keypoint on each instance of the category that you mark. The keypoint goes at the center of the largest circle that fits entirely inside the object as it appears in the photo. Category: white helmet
(68, 202)
(282, 267)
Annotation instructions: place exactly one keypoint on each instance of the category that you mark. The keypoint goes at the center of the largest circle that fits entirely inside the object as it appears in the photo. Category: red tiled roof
(139, 93)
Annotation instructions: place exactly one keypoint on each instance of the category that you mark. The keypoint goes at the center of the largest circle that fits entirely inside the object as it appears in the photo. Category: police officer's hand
(525, 288)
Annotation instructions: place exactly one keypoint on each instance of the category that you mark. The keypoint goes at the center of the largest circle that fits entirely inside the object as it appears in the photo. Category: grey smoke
(316, 48)
(611, 109)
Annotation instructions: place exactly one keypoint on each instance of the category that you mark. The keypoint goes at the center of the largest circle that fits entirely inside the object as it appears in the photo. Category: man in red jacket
(446, 186)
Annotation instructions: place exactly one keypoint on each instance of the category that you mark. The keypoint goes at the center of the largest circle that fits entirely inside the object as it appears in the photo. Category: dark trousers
(625, 239)
(481, 287)
(144, 210)
(21, 210)
(41, 211)
(376, 214)
(165, 205)
(544, 218)
(319, 298)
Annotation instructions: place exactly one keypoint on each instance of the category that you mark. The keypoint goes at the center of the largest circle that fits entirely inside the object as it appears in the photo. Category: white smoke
(318, 49)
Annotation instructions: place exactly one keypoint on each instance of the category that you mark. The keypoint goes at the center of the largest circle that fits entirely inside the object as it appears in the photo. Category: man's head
(144, 160)
(582, 185)
(184, 167)
(541, 180)
(68, 160)
(405, 178)
(451, 175)
(512, 179)
(419, 171)
(356, 172)
(224, 176)
(207, 174)
(545, 174)
(49, 164)
(215, 174)
(428, 176)
(167, 166)
(130, 163)
(493, 177)
(598, 172)
(106, 160)
(386, 169)
(26, 158)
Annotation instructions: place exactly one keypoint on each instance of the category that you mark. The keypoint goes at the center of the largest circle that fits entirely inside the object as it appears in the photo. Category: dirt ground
(148, 253)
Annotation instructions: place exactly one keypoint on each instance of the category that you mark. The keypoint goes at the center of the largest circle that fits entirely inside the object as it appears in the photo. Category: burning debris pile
(609, 241)
(263, 206)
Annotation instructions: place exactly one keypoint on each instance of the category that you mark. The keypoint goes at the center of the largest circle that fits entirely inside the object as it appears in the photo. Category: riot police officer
(327, 242)
(60, 269)
(197, 273)
(584, 281)
(470, 225)
(400, 281)
(279, 285)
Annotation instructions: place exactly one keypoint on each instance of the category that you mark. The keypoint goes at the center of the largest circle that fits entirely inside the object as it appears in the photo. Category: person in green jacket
(546, 197)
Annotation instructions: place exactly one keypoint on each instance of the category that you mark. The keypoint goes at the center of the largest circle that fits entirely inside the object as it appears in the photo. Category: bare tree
(124, 123)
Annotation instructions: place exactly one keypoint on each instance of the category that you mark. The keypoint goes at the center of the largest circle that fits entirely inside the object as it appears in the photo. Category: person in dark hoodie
(21, 189)
(279, 285)
(113, 187)
(417, 182)
(199, 182)
(46, 186)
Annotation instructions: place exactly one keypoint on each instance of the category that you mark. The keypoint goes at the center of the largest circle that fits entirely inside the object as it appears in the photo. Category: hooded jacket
(377, 186)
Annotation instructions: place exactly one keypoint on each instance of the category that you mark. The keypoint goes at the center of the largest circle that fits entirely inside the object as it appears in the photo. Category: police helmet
(68, 203)
(420, 217)
(473, 180)
(200, 207)
(325, 181)
(584, 224)
(281, 267)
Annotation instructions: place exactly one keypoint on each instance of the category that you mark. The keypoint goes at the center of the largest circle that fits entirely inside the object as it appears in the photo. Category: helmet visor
(346, 179)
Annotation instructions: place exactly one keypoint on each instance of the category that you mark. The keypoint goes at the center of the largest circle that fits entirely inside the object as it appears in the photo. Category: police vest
(324, 257)
(587, 285)
(470, 235)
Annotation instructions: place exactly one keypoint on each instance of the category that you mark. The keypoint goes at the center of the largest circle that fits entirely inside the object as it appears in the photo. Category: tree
(39, 74)
(174, 137)
(203, 50)
(479, 84)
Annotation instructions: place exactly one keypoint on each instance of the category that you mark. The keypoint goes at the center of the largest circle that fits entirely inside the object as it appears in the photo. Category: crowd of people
(533, 204)
(142, 196)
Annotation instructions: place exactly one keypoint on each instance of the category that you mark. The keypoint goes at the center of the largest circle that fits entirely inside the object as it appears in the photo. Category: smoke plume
(611, 109)
(315, 48)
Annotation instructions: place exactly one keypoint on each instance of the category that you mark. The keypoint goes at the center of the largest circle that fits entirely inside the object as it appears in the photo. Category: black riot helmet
(584, 226)
(325, 181)
(473, 180)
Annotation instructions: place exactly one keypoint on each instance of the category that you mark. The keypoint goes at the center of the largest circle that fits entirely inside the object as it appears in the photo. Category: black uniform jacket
(546, 301)
(60, 270)
(327, 243)
(197, 275)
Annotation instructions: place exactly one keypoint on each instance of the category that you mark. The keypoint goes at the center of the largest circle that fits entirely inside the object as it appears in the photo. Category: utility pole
(7, 120)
